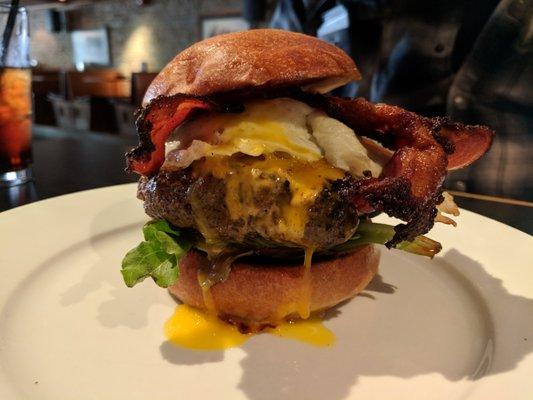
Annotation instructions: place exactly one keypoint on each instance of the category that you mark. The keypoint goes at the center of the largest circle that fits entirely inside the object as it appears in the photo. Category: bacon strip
(469, 142)
(154, 124)
(466, 143)
(410, 185)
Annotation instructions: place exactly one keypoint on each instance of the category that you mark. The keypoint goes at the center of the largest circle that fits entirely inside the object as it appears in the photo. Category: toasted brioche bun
(255, 59)
(255, 294)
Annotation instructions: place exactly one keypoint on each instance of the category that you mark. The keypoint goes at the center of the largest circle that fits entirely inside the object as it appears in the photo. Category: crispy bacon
(154, 123)
(469, 142)
(409, 187)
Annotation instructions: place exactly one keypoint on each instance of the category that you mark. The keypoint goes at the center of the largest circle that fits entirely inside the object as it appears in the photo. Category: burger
(261, 187)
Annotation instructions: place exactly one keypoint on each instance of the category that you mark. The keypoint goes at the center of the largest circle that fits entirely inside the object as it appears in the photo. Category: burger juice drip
(218, 270)
(205, 285)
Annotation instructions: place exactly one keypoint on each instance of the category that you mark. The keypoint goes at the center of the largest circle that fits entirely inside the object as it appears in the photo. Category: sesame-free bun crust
(255, 293)
(254, 59)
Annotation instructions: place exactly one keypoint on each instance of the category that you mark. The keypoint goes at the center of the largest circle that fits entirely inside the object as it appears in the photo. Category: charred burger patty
(199, 202)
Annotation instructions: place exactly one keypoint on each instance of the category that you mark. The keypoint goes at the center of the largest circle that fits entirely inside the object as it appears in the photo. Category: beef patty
(189, 201)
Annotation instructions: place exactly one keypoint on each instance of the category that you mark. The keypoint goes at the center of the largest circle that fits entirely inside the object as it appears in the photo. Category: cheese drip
(247, 177)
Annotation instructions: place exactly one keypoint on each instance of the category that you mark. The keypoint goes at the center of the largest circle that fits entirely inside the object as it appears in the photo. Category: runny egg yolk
(311, 331)
(195, 329)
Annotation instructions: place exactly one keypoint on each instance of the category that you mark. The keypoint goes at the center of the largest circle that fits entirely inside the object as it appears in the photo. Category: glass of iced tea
(15, 99)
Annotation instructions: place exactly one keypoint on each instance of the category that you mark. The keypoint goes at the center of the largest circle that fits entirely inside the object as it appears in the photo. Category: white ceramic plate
(460, 326)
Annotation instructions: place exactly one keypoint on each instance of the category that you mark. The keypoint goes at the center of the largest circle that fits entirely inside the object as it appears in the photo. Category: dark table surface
(70, 162)
(66, 162)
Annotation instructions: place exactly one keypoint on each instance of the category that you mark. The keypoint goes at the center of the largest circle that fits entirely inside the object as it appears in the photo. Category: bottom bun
(260, 293)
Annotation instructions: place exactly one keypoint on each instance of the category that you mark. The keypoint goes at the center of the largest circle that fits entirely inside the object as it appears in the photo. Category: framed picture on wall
(212, 25)
(91, 47)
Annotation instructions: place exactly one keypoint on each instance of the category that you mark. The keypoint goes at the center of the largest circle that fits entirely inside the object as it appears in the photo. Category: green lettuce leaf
(370, 232)
(157, 256)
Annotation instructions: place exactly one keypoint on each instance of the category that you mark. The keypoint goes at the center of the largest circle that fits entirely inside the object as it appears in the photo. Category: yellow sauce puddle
(198, 330)
(194, 329)
(310, 331)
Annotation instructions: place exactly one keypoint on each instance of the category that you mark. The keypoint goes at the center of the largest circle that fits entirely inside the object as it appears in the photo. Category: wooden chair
(45, 83)
(124, 111)
(96, 83)
(71, 114)
(139, 83)
(100, 88)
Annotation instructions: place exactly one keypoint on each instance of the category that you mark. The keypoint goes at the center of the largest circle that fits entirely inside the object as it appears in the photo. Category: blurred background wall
(151, 33)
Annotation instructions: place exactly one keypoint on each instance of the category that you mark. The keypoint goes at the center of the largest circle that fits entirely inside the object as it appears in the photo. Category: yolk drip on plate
(311, 331)
(195, 329)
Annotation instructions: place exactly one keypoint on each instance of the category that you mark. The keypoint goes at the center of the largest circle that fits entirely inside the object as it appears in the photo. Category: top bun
(254, 59)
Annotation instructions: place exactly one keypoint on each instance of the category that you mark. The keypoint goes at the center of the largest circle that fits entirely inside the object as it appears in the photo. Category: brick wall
(152, 33)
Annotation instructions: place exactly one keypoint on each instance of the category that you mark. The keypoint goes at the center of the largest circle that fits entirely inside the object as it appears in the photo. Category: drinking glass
(15, 100)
